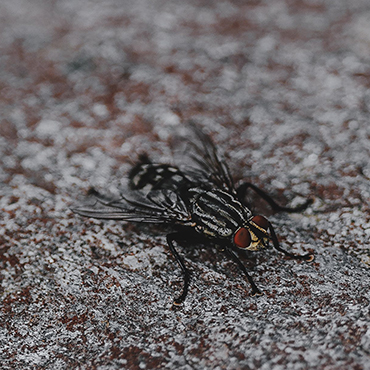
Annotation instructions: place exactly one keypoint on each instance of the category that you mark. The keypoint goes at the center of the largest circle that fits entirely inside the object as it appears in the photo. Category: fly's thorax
(216, 213)
(253, 235)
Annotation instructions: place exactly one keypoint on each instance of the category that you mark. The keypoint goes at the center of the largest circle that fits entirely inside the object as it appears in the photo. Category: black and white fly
(199, 203)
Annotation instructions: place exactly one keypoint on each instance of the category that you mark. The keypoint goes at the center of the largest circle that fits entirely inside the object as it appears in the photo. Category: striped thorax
(218, 214)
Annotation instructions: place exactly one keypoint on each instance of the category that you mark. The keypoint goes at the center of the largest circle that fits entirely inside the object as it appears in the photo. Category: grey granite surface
(86, 86)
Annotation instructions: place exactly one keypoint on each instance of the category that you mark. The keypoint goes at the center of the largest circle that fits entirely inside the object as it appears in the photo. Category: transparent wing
(210, 161)
(164, 207)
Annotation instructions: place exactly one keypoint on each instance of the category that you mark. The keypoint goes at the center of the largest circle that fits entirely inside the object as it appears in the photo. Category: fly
(200, 204)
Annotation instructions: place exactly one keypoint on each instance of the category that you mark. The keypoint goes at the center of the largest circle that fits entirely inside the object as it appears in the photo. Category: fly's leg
(305, 257)
(242, 189)
(234, 256)
(170, 239)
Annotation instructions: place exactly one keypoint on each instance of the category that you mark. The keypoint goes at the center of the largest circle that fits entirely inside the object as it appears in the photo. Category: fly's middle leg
(234, 256)
(170, 239)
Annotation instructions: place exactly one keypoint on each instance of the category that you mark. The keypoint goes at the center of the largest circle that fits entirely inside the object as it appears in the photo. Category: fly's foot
(256, 293)
(308, 257)
(180, 300)
(177, 302)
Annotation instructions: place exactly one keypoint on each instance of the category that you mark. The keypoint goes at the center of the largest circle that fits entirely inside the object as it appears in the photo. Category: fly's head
(253, 235)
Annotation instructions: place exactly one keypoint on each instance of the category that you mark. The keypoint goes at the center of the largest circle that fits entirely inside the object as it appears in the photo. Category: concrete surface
(85, 86)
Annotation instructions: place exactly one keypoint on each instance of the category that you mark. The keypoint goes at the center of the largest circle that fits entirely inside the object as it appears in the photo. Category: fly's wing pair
(162, 203)
(161, 207)
(210, 162)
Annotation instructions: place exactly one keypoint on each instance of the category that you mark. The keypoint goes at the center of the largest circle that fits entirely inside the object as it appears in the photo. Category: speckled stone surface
(85, 86)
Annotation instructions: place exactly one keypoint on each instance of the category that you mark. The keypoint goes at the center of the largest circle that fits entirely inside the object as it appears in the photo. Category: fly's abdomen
(217, 214)
(150, 176)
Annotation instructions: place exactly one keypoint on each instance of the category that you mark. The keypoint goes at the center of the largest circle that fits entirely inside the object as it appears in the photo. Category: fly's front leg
(170, 239)
(234, 256)
(242, 189)
(305, 257)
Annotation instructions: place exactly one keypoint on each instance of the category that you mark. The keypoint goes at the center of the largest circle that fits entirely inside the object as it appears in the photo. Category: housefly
(199, 203)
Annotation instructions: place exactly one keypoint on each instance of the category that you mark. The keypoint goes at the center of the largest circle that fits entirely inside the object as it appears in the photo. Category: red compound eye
(242, 238)
(261, 222)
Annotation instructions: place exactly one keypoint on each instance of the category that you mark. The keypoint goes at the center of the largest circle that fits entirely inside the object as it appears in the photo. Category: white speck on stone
(169, 118)
(311, 160)
(277, 184)
(48, 127)
(361, 28)
(367, 232)
(100, 110)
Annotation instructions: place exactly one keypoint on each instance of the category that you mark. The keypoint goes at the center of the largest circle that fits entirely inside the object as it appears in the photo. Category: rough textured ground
(282, 86)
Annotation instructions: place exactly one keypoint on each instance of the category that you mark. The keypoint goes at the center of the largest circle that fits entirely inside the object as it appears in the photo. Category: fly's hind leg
(242, 189)
(170, 239)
